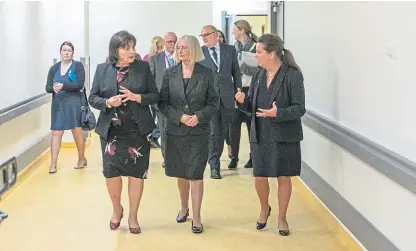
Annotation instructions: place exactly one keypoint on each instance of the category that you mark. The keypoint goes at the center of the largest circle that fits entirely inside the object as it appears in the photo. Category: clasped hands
(189, 120)
(57, 87)
(126, 95)
(240, 96)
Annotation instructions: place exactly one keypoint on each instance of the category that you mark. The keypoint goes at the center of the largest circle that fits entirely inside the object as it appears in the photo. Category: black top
(287, 91)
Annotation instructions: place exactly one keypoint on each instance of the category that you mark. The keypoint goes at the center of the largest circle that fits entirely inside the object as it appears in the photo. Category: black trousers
(235, 128)
(218, 124)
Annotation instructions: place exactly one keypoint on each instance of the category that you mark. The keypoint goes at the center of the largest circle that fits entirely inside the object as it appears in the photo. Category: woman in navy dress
(65, 82)
(276, 101)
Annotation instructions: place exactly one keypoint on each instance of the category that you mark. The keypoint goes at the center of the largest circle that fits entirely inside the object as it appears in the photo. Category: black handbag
(88, 121)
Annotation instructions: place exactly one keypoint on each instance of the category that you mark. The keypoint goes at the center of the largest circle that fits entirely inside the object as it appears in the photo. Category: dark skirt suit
(275, 142)
(124, 144)
(186, 152)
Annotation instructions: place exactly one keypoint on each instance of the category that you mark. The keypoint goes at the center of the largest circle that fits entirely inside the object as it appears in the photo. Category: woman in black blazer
(276, 101)
(188, 100)
(122, 90)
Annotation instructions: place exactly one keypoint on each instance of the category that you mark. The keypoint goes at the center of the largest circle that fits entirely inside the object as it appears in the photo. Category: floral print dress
(126, 151)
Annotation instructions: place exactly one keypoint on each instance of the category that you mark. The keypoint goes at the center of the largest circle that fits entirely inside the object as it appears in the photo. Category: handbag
(88, 121)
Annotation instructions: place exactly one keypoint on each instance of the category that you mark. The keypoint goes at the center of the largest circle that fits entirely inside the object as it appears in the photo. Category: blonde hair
(244, 25)
(195, 51)
(156, 41)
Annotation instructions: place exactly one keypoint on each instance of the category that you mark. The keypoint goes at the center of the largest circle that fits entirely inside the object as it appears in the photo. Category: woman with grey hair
(122, 90)
(276, 101)
(188, 99)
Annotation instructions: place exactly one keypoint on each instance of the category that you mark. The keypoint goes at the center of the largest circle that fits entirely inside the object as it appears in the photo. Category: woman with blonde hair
(188, 100)
(246, 41)
(158, 44)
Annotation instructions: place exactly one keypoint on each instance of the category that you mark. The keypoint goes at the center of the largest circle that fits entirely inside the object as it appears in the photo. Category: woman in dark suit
(188, 100)
(122, 90)
(276, 101)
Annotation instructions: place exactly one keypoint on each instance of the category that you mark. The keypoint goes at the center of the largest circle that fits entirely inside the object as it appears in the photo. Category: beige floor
(71, 209)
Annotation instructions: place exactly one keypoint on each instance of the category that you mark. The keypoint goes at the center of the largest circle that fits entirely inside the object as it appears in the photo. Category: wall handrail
(24, 106)
(394, 166)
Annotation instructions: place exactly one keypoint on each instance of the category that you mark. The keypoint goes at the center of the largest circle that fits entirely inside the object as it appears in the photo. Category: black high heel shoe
(283, 232)
(197, 230)
(259, 225)
(183, 218)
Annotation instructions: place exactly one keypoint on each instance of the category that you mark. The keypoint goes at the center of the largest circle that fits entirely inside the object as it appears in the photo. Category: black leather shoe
(215, 174)
(3, 215)
(259, 225)
(249, 164)
(197, 230)
(183, 218)
(233, 164)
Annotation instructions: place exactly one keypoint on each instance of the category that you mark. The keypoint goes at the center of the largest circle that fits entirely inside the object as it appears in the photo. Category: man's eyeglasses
(207, 34)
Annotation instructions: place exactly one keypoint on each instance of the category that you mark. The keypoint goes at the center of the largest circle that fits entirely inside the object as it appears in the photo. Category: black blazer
(228, 78)
(200, 99)
(289, 95)
(158, 67)
(139, 81)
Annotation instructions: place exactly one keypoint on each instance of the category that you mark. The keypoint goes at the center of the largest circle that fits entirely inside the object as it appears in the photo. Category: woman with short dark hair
(276, 101)
(122, 90)
(65, 82)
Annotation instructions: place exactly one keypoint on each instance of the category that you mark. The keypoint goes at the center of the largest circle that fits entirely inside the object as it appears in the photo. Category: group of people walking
(201, 96)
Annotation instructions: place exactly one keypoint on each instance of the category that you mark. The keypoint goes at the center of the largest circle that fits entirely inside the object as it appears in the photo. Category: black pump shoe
(259, 225)
(197, 230)
(282, 232)
(183, 218)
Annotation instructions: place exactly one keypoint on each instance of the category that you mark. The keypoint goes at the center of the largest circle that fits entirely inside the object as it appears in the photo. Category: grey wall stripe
(394, 166)
(25, 106)
(358, 225)
(29, 154)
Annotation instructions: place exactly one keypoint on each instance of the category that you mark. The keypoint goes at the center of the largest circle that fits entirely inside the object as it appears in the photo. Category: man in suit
(158, 65)
(222, 59)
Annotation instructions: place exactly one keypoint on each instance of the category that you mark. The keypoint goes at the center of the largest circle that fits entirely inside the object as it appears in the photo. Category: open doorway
(259, 24)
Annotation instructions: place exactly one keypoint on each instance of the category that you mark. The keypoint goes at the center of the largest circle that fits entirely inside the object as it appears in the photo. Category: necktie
(214, 53)
(171, 61)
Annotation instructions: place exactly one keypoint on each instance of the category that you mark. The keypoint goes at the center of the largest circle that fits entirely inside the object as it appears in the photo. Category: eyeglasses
(170, 42)
(207, 34)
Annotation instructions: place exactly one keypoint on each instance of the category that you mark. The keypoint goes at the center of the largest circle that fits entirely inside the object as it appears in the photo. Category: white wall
(30, 36)
(234, 7)
(387, 205)
(22, 68)
(357, 59)
(144, 20)
(358, 62)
